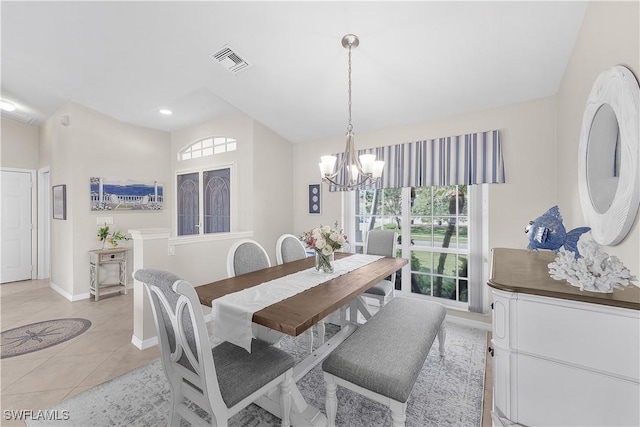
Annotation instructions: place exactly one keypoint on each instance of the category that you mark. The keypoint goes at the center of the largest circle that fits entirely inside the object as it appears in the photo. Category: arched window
(208, 147)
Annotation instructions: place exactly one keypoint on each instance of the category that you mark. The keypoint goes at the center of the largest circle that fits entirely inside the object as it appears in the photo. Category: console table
(101, 257)
(561, 356)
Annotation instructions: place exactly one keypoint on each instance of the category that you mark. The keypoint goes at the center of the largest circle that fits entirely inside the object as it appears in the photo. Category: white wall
(610, 35)
(263, 200)
(272, 188)
(18, 145)
(528, 136)
(96, 145)
(540, 139)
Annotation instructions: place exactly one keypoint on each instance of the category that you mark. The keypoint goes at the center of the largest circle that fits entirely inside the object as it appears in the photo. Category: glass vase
(324, 263)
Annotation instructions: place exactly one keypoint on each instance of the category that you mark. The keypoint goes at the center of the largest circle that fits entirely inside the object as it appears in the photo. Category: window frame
(233, 194)
(189, 147)
(477, 255)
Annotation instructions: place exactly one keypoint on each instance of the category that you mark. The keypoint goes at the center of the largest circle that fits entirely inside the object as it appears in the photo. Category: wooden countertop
(527, 272)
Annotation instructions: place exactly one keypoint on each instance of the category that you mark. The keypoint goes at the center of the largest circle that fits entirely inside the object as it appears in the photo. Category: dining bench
(382, 359)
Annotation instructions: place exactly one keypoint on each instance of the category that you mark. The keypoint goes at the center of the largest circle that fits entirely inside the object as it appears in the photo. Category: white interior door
(16, 226)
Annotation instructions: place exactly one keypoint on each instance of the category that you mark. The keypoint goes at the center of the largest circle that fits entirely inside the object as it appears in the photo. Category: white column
(101, 192)
(155, 192)
(150, 250)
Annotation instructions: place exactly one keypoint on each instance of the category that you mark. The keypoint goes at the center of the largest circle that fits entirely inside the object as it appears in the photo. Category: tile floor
(44, 378)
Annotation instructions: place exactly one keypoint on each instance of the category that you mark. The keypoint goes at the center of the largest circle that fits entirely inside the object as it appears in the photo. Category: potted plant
(114, 237)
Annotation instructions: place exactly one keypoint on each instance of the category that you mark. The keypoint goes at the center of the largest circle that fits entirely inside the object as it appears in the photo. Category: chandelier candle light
(362, 170)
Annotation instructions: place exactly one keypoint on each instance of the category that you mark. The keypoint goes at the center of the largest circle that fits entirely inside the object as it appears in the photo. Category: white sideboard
(561, 357)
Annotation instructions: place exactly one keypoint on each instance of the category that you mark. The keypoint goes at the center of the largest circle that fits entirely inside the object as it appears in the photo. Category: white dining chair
(290, 248)
(221, 380)
(246, 256)
(382, 242)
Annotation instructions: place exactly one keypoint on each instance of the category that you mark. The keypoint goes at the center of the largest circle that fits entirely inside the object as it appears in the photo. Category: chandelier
(360, 170)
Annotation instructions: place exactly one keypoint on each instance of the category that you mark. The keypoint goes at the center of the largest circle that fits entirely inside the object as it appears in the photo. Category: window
(205, 195)
(208, 147)
(433, 227)
(439, 242)
(376, 209)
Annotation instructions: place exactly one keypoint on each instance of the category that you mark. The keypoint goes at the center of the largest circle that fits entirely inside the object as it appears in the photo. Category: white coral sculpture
(595, 271)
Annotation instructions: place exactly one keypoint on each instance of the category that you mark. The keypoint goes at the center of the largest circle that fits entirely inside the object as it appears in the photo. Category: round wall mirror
(603, 158)
(608, 172)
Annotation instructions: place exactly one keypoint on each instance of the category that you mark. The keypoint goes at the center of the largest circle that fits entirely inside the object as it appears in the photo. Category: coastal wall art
(314, 199)
(113, 194)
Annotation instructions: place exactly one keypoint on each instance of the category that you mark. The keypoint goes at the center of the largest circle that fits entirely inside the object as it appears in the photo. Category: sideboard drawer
(114, 257)
(602, 338)
(552, 394)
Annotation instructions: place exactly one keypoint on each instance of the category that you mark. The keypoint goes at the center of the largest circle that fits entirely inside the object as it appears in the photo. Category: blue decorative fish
(548, 232)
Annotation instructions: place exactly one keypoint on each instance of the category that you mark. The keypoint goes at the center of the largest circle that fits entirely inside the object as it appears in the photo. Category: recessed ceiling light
(7, 106)
(166, 112)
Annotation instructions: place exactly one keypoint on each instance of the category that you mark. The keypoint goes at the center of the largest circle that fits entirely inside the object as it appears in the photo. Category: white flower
(325, 239)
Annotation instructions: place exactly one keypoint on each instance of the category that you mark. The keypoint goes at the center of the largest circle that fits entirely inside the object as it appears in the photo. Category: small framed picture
(314, 199)
(59, 201)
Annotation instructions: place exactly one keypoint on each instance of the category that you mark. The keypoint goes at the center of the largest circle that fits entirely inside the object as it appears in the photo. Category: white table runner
(233, 312)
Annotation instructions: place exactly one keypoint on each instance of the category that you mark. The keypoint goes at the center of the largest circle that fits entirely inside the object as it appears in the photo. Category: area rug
(448, 392)
(38, 336)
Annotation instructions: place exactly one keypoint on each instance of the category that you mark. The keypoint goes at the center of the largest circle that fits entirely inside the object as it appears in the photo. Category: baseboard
(143, 345)
(67, 295)
(78, 297)
(468, 322)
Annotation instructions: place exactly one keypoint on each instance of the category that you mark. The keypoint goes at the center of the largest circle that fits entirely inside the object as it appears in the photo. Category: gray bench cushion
(386, 354)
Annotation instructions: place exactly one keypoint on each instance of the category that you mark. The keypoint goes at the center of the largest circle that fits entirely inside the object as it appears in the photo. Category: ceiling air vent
(18, 116)
(230, 59)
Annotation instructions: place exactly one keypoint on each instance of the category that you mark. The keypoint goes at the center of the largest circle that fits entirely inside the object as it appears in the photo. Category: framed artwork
(314, 199)
(59, 201)
(114, 194)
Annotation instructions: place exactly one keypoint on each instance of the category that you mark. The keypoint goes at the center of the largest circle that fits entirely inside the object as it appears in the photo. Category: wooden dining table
(298, 313)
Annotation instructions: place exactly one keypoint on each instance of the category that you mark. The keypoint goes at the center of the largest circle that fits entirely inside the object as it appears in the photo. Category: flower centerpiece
(106, 237)
(325, 241)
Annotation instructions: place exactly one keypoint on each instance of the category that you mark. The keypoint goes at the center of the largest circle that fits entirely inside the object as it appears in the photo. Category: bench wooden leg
(398, 413)
(331, 400)
(442, 335)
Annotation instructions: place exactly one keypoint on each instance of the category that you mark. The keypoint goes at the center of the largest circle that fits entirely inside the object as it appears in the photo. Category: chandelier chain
(353, 171)
(349, 126)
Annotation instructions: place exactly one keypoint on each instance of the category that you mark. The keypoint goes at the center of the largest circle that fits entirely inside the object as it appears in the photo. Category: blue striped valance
(474, 158)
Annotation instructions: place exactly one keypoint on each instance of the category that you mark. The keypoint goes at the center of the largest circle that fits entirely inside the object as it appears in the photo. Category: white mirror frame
(619, 88)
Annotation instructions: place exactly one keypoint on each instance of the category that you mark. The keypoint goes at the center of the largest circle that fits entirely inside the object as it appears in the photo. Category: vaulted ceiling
(417, 61)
